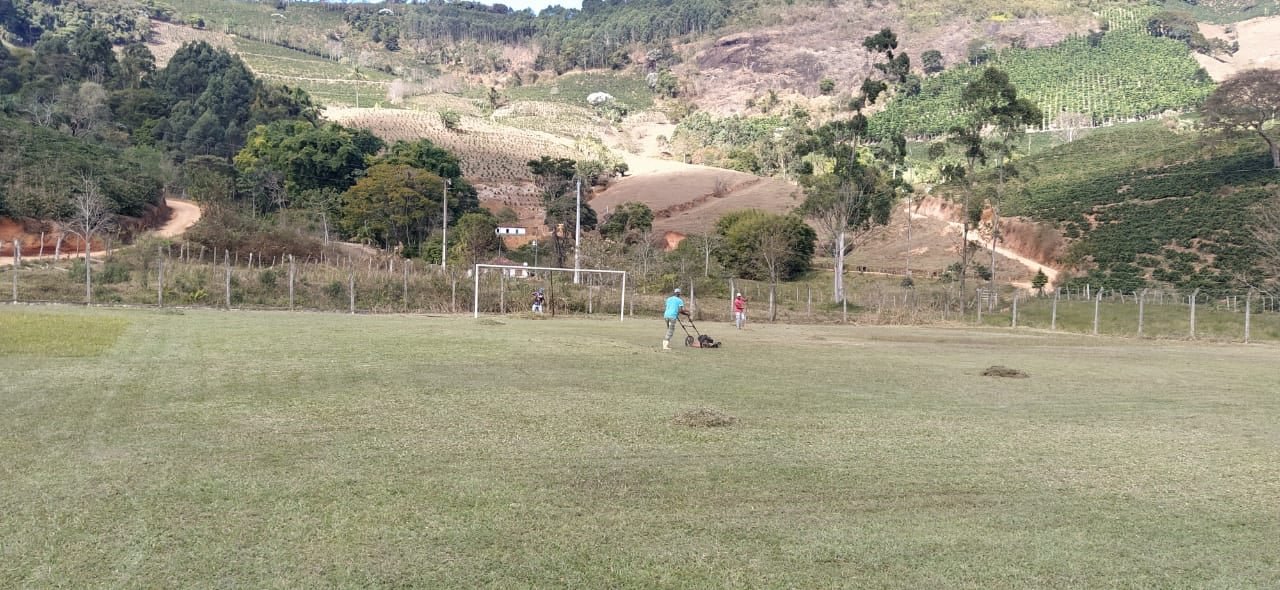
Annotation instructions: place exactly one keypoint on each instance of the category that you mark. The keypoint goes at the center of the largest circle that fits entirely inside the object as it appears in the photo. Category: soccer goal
(521, 272)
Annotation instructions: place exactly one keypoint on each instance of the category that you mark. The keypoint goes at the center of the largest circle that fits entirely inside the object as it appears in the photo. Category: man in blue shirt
(675, 307)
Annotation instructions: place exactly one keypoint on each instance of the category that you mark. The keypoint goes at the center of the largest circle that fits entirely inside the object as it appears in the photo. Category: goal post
(475, 305)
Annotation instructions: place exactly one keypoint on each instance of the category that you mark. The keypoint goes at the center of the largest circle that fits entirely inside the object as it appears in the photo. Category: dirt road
(184, 215)
(1049, 271)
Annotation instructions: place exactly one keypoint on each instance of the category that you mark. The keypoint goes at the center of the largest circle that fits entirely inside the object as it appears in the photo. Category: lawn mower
(701, 340)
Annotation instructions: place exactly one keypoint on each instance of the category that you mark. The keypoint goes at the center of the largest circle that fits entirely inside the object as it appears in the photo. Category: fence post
(226, 262)
(978, 304)
(1142, 303)
(1194, 295)
(1015, 310)
(1053, 314)
(732, 294)
(693, 301)
(351, 288)
(1248, 308)
(17, 260)
(292, 273)
(1097, 303)
(159, 279)
(405, 295)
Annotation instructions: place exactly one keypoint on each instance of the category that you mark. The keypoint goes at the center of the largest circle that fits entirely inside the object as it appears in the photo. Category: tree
(451, 119)
(741, 233)
(393, 204)
(1249, 100)
(1039, 281)
(855, 197)
(310, 157)
(90, 216)
(1178, 25)
(628, 222)
(553, 177)
(979, 51)
(463, 197)
(994, 117)
(84, 108)
(136, 63)
(474, 237)
(931, 61)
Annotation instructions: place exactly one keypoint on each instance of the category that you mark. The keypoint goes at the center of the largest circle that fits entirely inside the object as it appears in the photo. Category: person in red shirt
(739, 310)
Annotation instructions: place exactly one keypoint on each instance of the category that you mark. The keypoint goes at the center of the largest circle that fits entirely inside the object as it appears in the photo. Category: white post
(226, 262)
(475, 292)
(444, 227)
(17, 260)
(160, 281)
(1142, 309)
(1096, 303)
(1015, 310)
(1248, 308)
(1194, 295)
(1053, 315)
(623, 305)
(577, 237)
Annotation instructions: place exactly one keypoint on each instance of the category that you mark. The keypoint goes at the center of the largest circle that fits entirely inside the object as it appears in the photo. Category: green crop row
(1122, 76)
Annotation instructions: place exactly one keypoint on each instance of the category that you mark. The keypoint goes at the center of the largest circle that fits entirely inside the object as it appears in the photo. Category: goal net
(503, 287)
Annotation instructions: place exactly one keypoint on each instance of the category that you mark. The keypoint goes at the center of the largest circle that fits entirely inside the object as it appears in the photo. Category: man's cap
(677, 291)
(739, 295)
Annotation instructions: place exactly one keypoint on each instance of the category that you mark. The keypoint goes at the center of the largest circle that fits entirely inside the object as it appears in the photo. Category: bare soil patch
(1259, 40)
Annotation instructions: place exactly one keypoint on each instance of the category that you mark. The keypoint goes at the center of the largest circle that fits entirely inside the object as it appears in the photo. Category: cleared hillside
(1146, 203)
(689, 199)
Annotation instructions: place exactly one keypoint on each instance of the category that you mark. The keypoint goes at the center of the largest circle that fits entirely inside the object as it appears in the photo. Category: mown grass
(274, 450)
(58, 335)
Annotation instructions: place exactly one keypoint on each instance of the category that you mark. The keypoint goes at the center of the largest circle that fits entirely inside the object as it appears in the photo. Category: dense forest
(74, 112)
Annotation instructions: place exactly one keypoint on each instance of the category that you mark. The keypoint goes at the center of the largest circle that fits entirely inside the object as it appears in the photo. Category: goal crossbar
(475, 305)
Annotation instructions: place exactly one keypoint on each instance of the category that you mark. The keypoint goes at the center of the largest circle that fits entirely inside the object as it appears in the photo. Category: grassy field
(276, 450)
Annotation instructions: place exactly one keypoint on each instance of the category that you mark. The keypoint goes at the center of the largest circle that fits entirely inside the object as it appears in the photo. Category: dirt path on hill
(184, 214)
(1031, 264)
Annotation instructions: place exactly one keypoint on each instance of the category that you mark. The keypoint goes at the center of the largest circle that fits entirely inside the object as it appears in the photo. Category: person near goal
(739, 310)
(538, 300)
(675, 308)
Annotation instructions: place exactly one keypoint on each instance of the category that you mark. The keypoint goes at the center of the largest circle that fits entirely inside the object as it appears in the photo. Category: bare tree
(43, 110)
(846, 206)
(1070, 122)
(90, 216)
(772, 250)
(84, 108)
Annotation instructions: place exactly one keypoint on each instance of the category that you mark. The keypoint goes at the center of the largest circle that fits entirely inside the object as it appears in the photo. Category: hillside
(499, 88)
(1145, 203)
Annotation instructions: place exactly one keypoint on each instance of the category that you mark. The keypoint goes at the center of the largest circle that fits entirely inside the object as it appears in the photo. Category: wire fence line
(189, 277)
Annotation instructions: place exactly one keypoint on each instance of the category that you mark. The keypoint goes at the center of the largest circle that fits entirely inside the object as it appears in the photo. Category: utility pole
(444, 227)
(577, 238)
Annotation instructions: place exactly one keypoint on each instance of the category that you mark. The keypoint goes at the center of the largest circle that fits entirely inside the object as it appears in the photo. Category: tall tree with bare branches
(91, 215)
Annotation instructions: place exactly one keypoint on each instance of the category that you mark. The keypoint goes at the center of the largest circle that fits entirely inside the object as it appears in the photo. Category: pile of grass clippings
(703, 418)
(999, 371)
